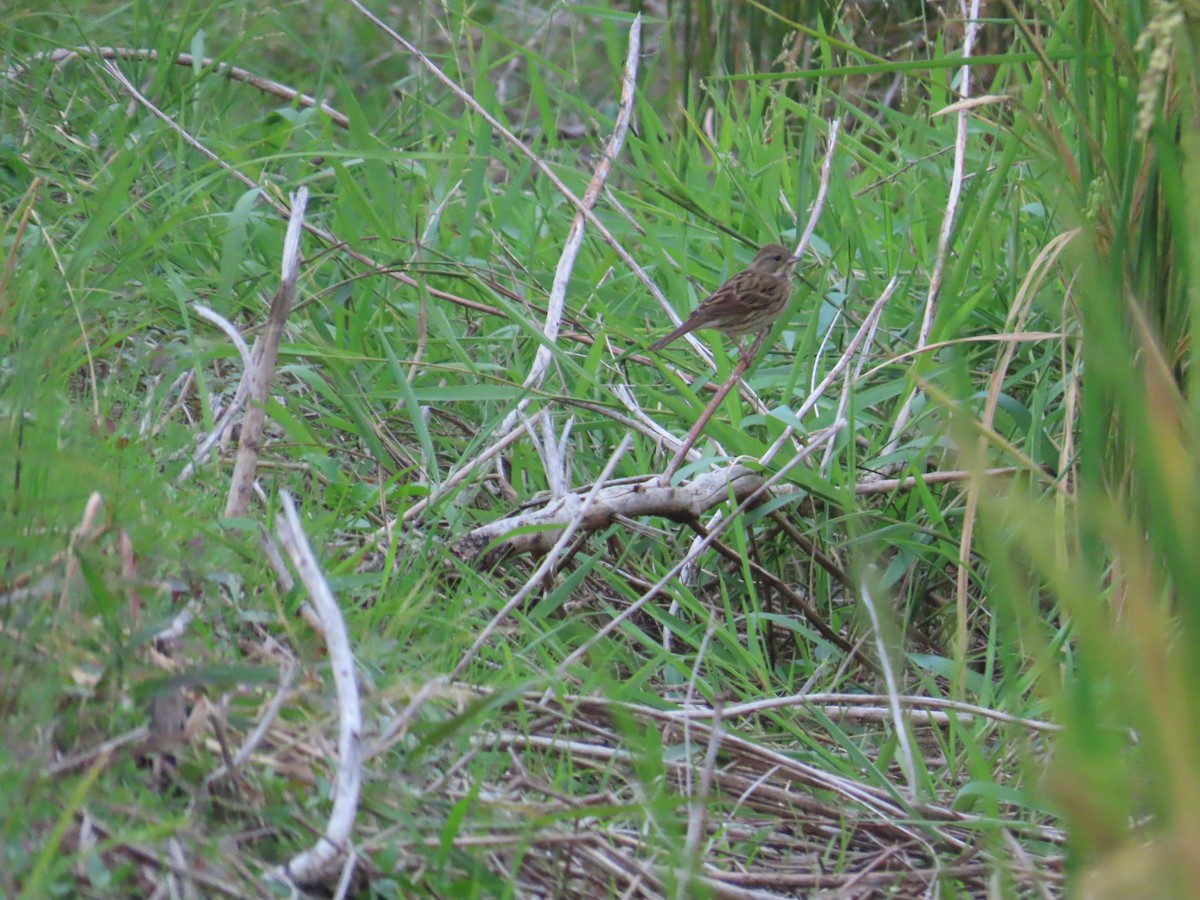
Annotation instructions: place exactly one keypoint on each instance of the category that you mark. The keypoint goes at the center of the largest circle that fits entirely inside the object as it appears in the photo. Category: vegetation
(948, 649)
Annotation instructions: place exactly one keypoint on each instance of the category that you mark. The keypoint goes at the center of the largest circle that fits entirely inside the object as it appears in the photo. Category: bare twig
(848, 354)
(578, 517)
(89, 528)
(818, 206)
(227, 327)
(218, 431)
(891, 674)
(1023, 337)
(395, 729)
(535, 531)
(105, 750)
(311, 864)
(185, 60)
(554, 451)
(945, 476)
(266, 352)
(287, 672)
(566, 261)
(645, 424)
(743, 363)
(458, 476)
(842, 701)
(847, 387)
(948, 217)
(735, 376)
(698, 801)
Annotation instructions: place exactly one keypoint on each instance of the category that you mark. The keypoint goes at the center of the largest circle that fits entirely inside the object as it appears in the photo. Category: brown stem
(744, 361)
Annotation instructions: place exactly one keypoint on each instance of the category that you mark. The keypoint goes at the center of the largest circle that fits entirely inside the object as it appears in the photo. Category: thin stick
(186, 60)
(948, 217)
(266, 352)
(905, 755)
(848, 354)
(842, 701)
(566, 261)
(287, 671)
(944, 477)
(543, 168)
(459, 475)
(548, 562)
(698, 803)
(822, 187)
(735, 376)
(309, 865)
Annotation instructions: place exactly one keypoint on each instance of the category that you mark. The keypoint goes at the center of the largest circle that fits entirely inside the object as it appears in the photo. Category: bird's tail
(680, 331)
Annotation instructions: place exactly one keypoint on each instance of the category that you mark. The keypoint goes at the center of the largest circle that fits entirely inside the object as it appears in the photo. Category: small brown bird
(748, 302)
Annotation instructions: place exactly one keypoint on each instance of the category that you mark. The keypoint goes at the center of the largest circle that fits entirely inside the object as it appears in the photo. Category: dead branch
(536, 531)
(258, 378)
(184, 60)
(334, 844)
(566, 262)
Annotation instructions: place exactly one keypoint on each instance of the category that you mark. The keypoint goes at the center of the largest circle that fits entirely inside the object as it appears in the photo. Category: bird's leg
(752, 352)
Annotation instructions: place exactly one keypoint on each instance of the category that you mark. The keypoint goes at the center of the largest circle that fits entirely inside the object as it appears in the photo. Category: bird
(748, 302)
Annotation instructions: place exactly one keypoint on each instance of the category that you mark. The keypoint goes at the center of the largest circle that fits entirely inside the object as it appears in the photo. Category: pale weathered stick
(535, 531)
(310, 865)
(847, 355)
(847, 389)
(583, 507)
(698, 802)
(841, 702)
(944, 477)
(891, 682)
(89, 527)
(459, 475)
(286, 672)
(566, 261)
(943, 247)
(225, 420)
(645, 424)
(818, 206)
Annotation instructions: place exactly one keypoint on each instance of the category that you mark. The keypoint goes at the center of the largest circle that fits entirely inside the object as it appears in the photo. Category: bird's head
(774, 259)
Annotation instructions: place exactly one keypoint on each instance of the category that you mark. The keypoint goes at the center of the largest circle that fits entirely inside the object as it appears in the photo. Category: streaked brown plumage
(748, 302)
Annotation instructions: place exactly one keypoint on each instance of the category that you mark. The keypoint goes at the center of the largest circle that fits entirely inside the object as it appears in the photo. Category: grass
(947, 652)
